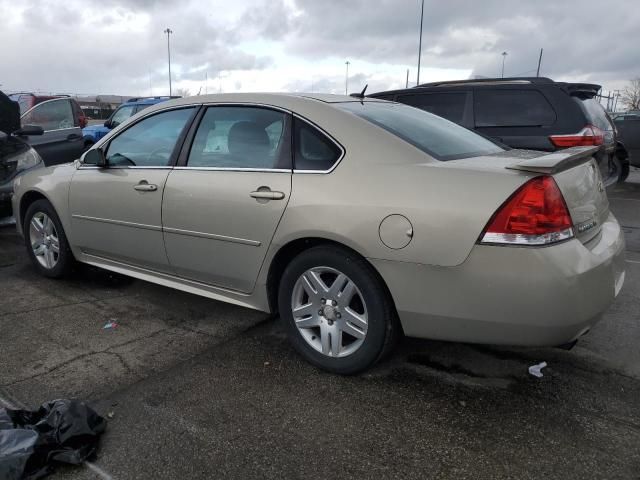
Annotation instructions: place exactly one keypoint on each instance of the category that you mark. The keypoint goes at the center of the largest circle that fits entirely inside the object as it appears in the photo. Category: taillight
(536, 214)
(83, 121)
(587, 137)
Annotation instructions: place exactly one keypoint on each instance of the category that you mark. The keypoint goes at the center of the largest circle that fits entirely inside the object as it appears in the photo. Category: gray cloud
(105, 46)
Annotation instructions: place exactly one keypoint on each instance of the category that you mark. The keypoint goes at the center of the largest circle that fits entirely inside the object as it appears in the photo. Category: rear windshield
(596, 113)
(440, 138)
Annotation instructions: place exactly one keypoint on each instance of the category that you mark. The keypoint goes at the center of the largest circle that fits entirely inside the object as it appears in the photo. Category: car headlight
(28, 159)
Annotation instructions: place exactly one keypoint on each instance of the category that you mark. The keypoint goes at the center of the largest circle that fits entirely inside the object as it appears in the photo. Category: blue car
(93, 133)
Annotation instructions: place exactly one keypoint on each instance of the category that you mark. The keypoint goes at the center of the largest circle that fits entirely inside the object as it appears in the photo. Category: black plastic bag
(65, 431)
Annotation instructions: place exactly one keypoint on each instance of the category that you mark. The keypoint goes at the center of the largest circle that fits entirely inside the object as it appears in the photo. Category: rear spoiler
(557, 161)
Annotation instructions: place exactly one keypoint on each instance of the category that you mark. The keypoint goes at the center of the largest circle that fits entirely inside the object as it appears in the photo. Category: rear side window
(446, 105)
(313, 149)
(440, 138)
(512, 108)
(596, 115)
(241, 137)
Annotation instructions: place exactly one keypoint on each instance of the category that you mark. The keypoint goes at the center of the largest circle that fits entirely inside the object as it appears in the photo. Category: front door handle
(267, 195)
(145, 186)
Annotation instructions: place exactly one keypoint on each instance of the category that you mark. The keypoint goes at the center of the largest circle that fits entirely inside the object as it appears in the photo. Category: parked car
(628, 125)
(62, 120)
(16, 156)
(93, 133)
(533, 113)
(354, 219)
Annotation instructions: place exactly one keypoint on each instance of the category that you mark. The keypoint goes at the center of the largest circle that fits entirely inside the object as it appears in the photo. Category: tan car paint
(444, 285)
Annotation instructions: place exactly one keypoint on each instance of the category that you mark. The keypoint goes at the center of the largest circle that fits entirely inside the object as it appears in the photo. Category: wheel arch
(293, 248)
(27, 199)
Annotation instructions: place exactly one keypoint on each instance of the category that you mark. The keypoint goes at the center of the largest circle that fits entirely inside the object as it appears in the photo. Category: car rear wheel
(46, 241)
(336, 311)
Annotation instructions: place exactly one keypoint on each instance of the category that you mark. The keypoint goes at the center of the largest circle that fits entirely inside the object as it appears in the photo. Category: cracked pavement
(202, 389)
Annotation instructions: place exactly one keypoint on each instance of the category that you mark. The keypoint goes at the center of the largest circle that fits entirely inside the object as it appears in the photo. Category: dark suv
(529, 113)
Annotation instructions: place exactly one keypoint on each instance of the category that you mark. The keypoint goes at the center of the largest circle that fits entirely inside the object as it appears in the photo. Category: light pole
(420, 45)
(504, 56)
(168, 31)
(346, 78)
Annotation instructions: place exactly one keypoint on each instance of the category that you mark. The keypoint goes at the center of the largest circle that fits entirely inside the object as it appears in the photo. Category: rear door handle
(74, 136)
(144, 186)
(267, 195)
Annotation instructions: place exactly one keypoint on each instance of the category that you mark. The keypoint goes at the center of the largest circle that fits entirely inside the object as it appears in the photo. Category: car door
(62, 140)
(222, 204)
(116, 211)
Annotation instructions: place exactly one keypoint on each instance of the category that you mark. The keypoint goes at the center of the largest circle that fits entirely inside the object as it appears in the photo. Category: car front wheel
(46, 241)
(336, 311)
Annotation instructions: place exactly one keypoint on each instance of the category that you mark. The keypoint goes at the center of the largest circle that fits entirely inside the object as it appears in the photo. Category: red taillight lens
(587, 137)
(535, 215)
(83, 121)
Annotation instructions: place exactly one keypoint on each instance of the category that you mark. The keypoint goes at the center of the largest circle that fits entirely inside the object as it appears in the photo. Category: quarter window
(313, 150)
(50, 115)
(241, 137)
(445, 105)
(150, 142)
(512, 108)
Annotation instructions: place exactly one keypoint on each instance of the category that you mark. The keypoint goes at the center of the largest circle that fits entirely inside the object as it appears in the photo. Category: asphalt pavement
(200, 389)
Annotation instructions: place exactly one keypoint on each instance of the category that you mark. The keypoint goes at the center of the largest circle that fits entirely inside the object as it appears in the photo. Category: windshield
(440, 138)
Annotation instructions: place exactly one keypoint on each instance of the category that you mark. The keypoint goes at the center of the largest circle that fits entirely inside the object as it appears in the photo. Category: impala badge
(586, 226)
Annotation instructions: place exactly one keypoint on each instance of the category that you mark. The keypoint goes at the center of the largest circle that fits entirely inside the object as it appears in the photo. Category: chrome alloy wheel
(44, 240)
(329, 311)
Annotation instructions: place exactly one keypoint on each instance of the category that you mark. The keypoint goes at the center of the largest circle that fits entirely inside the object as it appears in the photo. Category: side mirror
(108, 124)
(96, 157)
(29, 130)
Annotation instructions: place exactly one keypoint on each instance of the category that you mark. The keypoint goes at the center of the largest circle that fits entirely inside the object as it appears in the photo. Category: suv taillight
(536, 214)
(587, 137)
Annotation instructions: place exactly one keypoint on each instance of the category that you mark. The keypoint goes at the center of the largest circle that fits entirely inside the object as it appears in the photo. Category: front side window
(512, 108)
(445, 105)
(150, 142)
(241, 137)
(121, 115)
(50, 115)
(437, 137)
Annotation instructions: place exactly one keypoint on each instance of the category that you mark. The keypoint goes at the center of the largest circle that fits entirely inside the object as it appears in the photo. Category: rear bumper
(508, 295)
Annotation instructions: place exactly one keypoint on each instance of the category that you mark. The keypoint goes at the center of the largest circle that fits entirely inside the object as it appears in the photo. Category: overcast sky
(118, 46)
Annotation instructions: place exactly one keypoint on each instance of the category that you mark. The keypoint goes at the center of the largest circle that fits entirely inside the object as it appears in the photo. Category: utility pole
(168, 31)
(504, 56)
(539, 63)
(420, 44)
(346, 79)
(406, 85)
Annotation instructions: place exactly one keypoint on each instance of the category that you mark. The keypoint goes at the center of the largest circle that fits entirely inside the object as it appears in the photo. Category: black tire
(65, 260)
(624, 171)
(382, 323)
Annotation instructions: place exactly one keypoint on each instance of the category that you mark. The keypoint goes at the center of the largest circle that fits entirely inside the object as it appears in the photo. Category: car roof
(283, 100)
(574, 88)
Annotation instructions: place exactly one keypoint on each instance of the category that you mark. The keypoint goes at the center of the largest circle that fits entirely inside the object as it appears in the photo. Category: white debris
(536, 370)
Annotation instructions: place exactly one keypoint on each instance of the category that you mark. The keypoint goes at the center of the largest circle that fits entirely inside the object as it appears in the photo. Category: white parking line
(91, 466)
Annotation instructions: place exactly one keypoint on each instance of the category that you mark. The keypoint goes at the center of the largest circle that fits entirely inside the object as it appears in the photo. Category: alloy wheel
(329, 311)
(43, 237)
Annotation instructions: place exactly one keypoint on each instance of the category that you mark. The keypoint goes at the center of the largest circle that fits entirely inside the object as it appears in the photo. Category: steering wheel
(164, 151)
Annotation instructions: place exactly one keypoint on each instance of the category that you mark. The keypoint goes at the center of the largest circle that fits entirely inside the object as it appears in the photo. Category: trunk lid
(578, 177)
